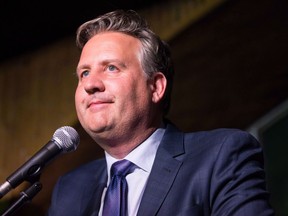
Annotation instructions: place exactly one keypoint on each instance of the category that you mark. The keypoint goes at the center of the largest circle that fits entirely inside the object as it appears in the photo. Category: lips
(97, 102)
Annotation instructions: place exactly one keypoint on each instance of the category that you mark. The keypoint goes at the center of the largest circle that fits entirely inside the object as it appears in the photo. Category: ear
(158, 85)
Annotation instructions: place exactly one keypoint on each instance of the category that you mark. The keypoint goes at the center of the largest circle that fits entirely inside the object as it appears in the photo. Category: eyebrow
(108, 61)
(103, 62)
(78, 68)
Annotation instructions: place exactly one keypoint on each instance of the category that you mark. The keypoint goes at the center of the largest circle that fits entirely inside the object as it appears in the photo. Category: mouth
(97, 103)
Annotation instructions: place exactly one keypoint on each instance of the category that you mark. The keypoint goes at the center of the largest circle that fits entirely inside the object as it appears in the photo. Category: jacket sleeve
(238, 184)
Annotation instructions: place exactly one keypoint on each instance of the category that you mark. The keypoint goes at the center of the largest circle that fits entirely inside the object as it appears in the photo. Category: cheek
(141, 94)
(78, 99)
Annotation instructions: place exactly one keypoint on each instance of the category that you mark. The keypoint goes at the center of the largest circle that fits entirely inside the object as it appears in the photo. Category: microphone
(65, 139)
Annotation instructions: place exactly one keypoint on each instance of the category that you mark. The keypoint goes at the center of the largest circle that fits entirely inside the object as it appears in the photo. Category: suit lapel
(163, 173)
(96, 187)
(95, 201)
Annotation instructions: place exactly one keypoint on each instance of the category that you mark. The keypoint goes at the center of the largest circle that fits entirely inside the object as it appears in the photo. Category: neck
(120, 149)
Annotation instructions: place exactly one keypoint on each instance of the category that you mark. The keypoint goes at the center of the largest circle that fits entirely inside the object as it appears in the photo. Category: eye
(85, 73)
(112, 68)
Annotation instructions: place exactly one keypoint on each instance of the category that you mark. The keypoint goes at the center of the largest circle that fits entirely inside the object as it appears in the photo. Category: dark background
(231, 66)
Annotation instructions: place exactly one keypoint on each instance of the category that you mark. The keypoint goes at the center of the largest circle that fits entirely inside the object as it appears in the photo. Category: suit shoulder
(216, 138)
(220, 134)
(86, 170)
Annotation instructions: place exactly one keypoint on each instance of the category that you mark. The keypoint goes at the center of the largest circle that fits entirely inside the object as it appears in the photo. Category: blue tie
(115, 203)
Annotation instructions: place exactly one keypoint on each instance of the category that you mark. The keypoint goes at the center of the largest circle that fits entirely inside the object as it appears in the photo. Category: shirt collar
(144, 154)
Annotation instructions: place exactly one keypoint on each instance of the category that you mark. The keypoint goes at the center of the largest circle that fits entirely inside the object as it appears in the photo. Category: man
(125, 77)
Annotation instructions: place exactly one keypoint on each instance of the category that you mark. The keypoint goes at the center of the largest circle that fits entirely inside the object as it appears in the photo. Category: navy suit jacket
(218, 172)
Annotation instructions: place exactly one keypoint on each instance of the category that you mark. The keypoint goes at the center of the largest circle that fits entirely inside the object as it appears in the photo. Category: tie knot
(122, 168)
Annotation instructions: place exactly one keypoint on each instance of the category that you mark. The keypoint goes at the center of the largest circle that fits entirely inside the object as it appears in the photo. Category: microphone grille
(67, 138)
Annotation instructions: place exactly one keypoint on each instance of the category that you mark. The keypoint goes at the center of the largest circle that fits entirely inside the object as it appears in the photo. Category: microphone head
(66, 138)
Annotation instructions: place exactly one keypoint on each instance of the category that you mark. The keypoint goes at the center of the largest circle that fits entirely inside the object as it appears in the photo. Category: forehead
(113, 40)
(109, 46)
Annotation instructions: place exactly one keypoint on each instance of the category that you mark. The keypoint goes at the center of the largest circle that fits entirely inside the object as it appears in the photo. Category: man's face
(113, 97)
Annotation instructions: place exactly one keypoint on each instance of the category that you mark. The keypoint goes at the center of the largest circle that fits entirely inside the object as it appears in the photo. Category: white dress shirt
(143, 156)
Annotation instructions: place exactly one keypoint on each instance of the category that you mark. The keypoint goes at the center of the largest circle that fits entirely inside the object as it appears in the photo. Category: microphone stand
(25, 197)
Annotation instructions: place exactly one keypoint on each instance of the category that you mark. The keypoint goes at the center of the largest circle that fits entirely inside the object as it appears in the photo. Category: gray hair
(155, 53)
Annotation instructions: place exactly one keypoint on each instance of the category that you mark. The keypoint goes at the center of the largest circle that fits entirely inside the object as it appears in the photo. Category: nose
(93, 84)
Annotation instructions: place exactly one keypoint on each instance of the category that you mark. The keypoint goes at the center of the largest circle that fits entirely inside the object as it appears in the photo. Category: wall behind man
(37, 94)
(231, 69)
